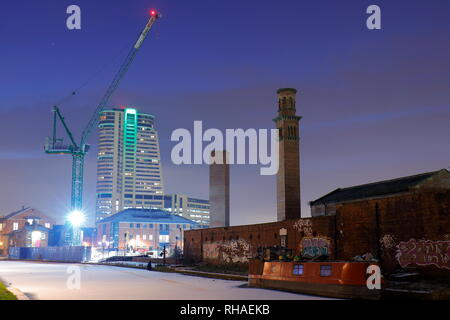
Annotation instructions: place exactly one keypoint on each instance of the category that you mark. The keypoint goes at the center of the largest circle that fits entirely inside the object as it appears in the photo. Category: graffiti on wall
(311, 247)
(305, 226)
(424, 253)
(233, 251)
(211, 251)
(387, 241)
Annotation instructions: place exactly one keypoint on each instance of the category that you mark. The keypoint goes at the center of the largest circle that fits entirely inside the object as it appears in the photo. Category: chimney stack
(219, 189)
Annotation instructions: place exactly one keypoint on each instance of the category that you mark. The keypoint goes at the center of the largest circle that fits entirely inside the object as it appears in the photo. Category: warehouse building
(435, 180)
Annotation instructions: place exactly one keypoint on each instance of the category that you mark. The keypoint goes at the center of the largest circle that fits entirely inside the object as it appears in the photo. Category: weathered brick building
(410, 230)
(26, 227)
(327, 204)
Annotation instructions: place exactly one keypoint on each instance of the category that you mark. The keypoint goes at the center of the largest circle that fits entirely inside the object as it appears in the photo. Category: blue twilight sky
(375, 104)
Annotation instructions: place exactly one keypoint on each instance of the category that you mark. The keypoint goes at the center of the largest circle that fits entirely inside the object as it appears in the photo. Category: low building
(143, 230)
(326, 205)
(26, 227)
(190, 208)
(30, 236)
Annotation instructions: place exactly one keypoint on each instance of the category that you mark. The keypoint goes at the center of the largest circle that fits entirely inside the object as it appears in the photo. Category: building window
(1, 227)
(150, 237)
(298, 269)
(325, 271)
(144, 237)
(15, 226)
(163, 238)
(47, 225)
(131, 225)
(138, 225)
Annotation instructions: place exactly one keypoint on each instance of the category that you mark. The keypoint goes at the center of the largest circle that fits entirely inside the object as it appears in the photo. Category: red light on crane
(153, 12)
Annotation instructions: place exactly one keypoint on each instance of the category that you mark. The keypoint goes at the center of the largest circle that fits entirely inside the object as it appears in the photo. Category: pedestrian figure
(149, 266)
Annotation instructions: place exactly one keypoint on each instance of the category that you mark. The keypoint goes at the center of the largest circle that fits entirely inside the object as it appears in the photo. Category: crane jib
(144, 33)
(114, 84)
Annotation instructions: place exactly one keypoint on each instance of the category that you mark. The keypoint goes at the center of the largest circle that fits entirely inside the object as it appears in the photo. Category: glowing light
(36, 235)
(153, 12)
(76, 218)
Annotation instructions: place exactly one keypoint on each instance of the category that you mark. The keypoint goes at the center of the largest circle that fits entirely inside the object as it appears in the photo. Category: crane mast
(55, 145)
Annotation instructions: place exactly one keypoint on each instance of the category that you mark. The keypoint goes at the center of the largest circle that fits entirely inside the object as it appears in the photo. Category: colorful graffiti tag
(424, 253)
(233, 251)
(313, 247)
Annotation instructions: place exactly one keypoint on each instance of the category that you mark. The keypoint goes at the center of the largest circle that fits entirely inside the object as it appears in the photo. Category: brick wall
(423, 217)
(407, 231)
(237, 244)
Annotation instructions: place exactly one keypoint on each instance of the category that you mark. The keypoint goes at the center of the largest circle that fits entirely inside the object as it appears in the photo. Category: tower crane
(54, 145)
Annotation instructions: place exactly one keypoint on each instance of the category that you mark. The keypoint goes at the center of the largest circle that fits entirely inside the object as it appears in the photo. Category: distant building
(190, 208)
(26, 227)
(326, 205)
(140, 230)
(129, 173)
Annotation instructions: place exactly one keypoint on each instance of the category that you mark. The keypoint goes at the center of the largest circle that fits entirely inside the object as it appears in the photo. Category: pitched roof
(147, 215)
(12, 214)
(375, 189)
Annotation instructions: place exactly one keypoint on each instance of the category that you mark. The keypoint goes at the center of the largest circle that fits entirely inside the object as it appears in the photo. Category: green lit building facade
(129, 173)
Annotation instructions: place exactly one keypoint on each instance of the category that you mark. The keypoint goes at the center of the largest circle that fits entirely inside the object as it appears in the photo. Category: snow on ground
(48, 281)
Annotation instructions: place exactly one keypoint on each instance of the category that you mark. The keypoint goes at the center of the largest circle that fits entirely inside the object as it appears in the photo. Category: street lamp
(75, 220)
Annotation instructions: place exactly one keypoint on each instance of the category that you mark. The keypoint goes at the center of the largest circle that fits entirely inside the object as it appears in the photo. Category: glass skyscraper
(129, 173)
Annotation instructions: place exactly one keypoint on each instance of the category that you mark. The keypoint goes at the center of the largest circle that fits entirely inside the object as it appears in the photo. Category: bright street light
(76, 218)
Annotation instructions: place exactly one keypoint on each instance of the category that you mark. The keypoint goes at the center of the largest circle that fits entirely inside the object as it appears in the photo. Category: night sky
(375, 104)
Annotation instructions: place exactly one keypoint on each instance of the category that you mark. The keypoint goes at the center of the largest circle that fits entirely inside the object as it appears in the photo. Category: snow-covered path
(48, 281)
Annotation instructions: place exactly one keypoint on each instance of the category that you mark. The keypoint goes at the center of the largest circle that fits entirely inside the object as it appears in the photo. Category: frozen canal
(50, 281)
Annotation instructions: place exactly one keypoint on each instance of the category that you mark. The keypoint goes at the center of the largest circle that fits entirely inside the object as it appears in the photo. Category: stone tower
(219, 189)
(288, 177)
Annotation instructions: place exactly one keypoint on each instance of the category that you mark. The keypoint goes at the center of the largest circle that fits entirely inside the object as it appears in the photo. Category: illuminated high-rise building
(129, 173)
